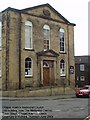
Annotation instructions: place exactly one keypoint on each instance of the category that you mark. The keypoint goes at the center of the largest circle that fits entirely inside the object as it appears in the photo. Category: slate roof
(82, 59)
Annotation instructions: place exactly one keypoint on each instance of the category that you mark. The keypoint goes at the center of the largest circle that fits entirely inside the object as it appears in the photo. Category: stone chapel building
(37, 48)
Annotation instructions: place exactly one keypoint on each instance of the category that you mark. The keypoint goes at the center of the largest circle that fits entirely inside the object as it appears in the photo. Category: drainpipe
(68, 56)
(19, 50)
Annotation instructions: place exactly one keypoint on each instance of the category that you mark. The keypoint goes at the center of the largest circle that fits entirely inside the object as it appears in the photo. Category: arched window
(62, 40)
(28, 67)
(0, 33)
(28, 35)
(45, 64)
(46, 30)
(62, 68)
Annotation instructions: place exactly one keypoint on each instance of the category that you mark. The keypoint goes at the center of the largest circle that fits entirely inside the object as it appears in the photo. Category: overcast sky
(76, 11)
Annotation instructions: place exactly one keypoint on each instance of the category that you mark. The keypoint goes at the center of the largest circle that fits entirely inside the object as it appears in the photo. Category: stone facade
(14, 52)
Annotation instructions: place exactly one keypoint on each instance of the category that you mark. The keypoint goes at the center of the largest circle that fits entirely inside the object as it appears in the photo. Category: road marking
(67, 99)
(56, 110)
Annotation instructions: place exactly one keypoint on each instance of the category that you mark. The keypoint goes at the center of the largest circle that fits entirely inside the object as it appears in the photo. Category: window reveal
(82, 67)
(28, 35)
(46, 30)
(28, 67)
(62, 68)
(62, 40)
(0, 33)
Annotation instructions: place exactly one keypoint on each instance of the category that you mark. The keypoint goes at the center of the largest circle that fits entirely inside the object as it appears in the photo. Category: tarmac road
(50, 107)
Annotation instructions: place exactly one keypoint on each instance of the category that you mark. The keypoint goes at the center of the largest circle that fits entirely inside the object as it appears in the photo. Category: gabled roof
(38, 6)
(50, 53)
(48, 5)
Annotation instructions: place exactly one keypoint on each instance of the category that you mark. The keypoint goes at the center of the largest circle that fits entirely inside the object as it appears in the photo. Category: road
(49, 108)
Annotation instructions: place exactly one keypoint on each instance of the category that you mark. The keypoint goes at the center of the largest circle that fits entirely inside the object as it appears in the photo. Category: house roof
(82, 59)
(35, 7)
(50, 53)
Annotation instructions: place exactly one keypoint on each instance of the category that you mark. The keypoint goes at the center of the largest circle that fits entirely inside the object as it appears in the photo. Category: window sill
(62, 52)
(28, 76)
(63, 75)
(29, 49)
(82, 80)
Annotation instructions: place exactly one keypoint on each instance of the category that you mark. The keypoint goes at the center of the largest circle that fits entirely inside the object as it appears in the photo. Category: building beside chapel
(82, 73)
(37, 46)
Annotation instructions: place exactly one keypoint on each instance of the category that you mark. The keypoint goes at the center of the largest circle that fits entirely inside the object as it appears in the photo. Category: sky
(75, 11)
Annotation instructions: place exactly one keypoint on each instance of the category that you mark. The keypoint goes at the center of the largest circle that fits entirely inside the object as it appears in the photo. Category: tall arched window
(0, 33)
(62, 40)
(62, 68)
(28, 67)
(28, 35)
(0, 48)
(46, 30)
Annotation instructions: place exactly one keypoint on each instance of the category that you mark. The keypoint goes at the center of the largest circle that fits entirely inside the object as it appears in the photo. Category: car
(83, 92)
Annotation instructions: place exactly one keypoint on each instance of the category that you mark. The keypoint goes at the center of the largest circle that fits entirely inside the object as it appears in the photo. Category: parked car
(85, 91)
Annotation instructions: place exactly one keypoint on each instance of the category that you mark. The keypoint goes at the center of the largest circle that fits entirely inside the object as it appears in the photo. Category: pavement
(64, 96)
